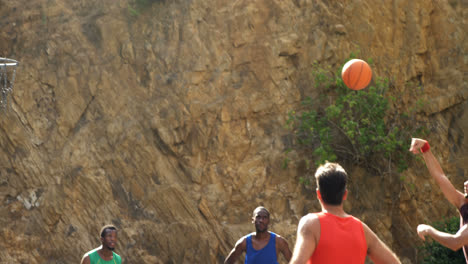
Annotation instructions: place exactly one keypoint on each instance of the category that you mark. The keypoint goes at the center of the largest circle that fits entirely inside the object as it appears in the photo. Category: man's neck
(262, 235)
(334, 210)
(105, 253)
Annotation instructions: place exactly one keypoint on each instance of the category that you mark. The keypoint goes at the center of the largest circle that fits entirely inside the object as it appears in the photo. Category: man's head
(108, 236)
(331, 183)
(261, 219)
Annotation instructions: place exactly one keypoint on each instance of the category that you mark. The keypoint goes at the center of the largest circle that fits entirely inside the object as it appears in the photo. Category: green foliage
(355, 125)
(435, 253)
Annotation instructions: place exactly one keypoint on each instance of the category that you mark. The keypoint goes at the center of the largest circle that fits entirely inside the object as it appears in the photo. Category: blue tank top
(266, 255)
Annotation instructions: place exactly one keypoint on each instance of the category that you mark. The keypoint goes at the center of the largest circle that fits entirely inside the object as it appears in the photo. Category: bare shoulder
(309, 221)
(310, 217)
(242, 242)
(366, 227)
(372, 240)
(309, 225)
(368, 233)
(85, 259)
(280, 240)
(244, 238)
(308, 235)
(278, 236)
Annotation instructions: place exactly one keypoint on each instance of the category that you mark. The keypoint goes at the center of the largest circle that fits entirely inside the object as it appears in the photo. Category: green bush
(435, 253)
(357, 126)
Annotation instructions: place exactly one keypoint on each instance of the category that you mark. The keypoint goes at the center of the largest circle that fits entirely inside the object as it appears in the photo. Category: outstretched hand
(423, 230)
(416, 145)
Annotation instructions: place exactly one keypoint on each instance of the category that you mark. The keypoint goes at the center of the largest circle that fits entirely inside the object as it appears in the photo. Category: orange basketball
(356, 74)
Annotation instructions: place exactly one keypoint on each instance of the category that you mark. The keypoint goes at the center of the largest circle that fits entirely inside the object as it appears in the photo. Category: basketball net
(7, 79)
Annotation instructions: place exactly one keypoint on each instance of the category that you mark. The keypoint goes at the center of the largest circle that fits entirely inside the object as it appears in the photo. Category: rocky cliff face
(166, 118)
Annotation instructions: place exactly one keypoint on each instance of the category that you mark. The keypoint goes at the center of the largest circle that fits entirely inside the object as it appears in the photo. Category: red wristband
(426, 147)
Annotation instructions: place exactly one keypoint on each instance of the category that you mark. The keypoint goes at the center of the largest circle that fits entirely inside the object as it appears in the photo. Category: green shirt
(94, 258)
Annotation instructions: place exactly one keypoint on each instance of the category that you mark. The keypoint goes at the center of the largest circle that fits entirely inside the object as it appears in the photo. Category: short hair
(331, 182)
(105, 228)
(260, 208)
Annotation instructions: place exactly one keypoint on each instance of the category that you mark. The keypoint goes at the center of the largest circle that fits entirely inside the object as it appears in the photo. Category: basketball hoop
(7, 79)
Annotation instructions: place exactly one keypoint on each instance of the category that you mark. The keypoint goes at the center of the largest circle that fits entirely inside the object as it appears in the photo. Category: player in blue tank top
(262, 246)
(264, 255)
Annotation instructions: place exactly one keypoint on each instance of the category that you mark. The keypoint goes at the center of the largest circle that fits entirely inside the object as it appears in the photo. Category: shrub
(357, 126)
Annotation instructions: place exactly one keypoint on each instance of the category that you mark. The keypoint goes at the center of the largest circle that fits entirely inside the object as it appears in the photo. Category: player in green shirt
(104, 254)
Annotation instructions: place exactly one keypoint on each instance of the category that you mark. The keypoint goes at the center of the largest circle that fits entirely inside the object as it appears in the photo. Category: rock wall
(166, 118)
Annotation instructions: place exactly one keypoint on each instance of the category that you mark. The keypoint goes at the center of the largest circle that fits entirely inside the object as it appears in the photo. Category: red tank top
(342, 240)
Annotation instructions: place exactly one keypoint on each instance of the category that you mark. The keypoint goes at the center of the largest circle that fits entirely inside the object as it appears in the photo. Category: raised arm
(451, 194)
(377, 251)
(454, 242)
(308, 234)
(238, 249)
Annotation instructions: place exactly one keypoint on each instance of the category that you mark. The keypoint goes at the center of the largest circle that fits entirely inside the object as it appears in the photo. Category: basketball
(356, 74)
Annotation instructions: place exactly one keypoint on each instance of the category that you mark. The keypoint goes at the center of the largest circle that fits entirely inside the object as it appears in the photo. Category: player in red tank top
(332, 236)
(342, 240)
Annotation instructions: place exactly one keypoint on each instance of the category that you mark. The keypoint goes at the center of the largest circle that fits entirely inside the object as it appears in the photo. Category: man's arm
(377, 251)
(308, 234)
(235, 253)
(454, 242)
(283, 248)
(85, 260)
(451, 194)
